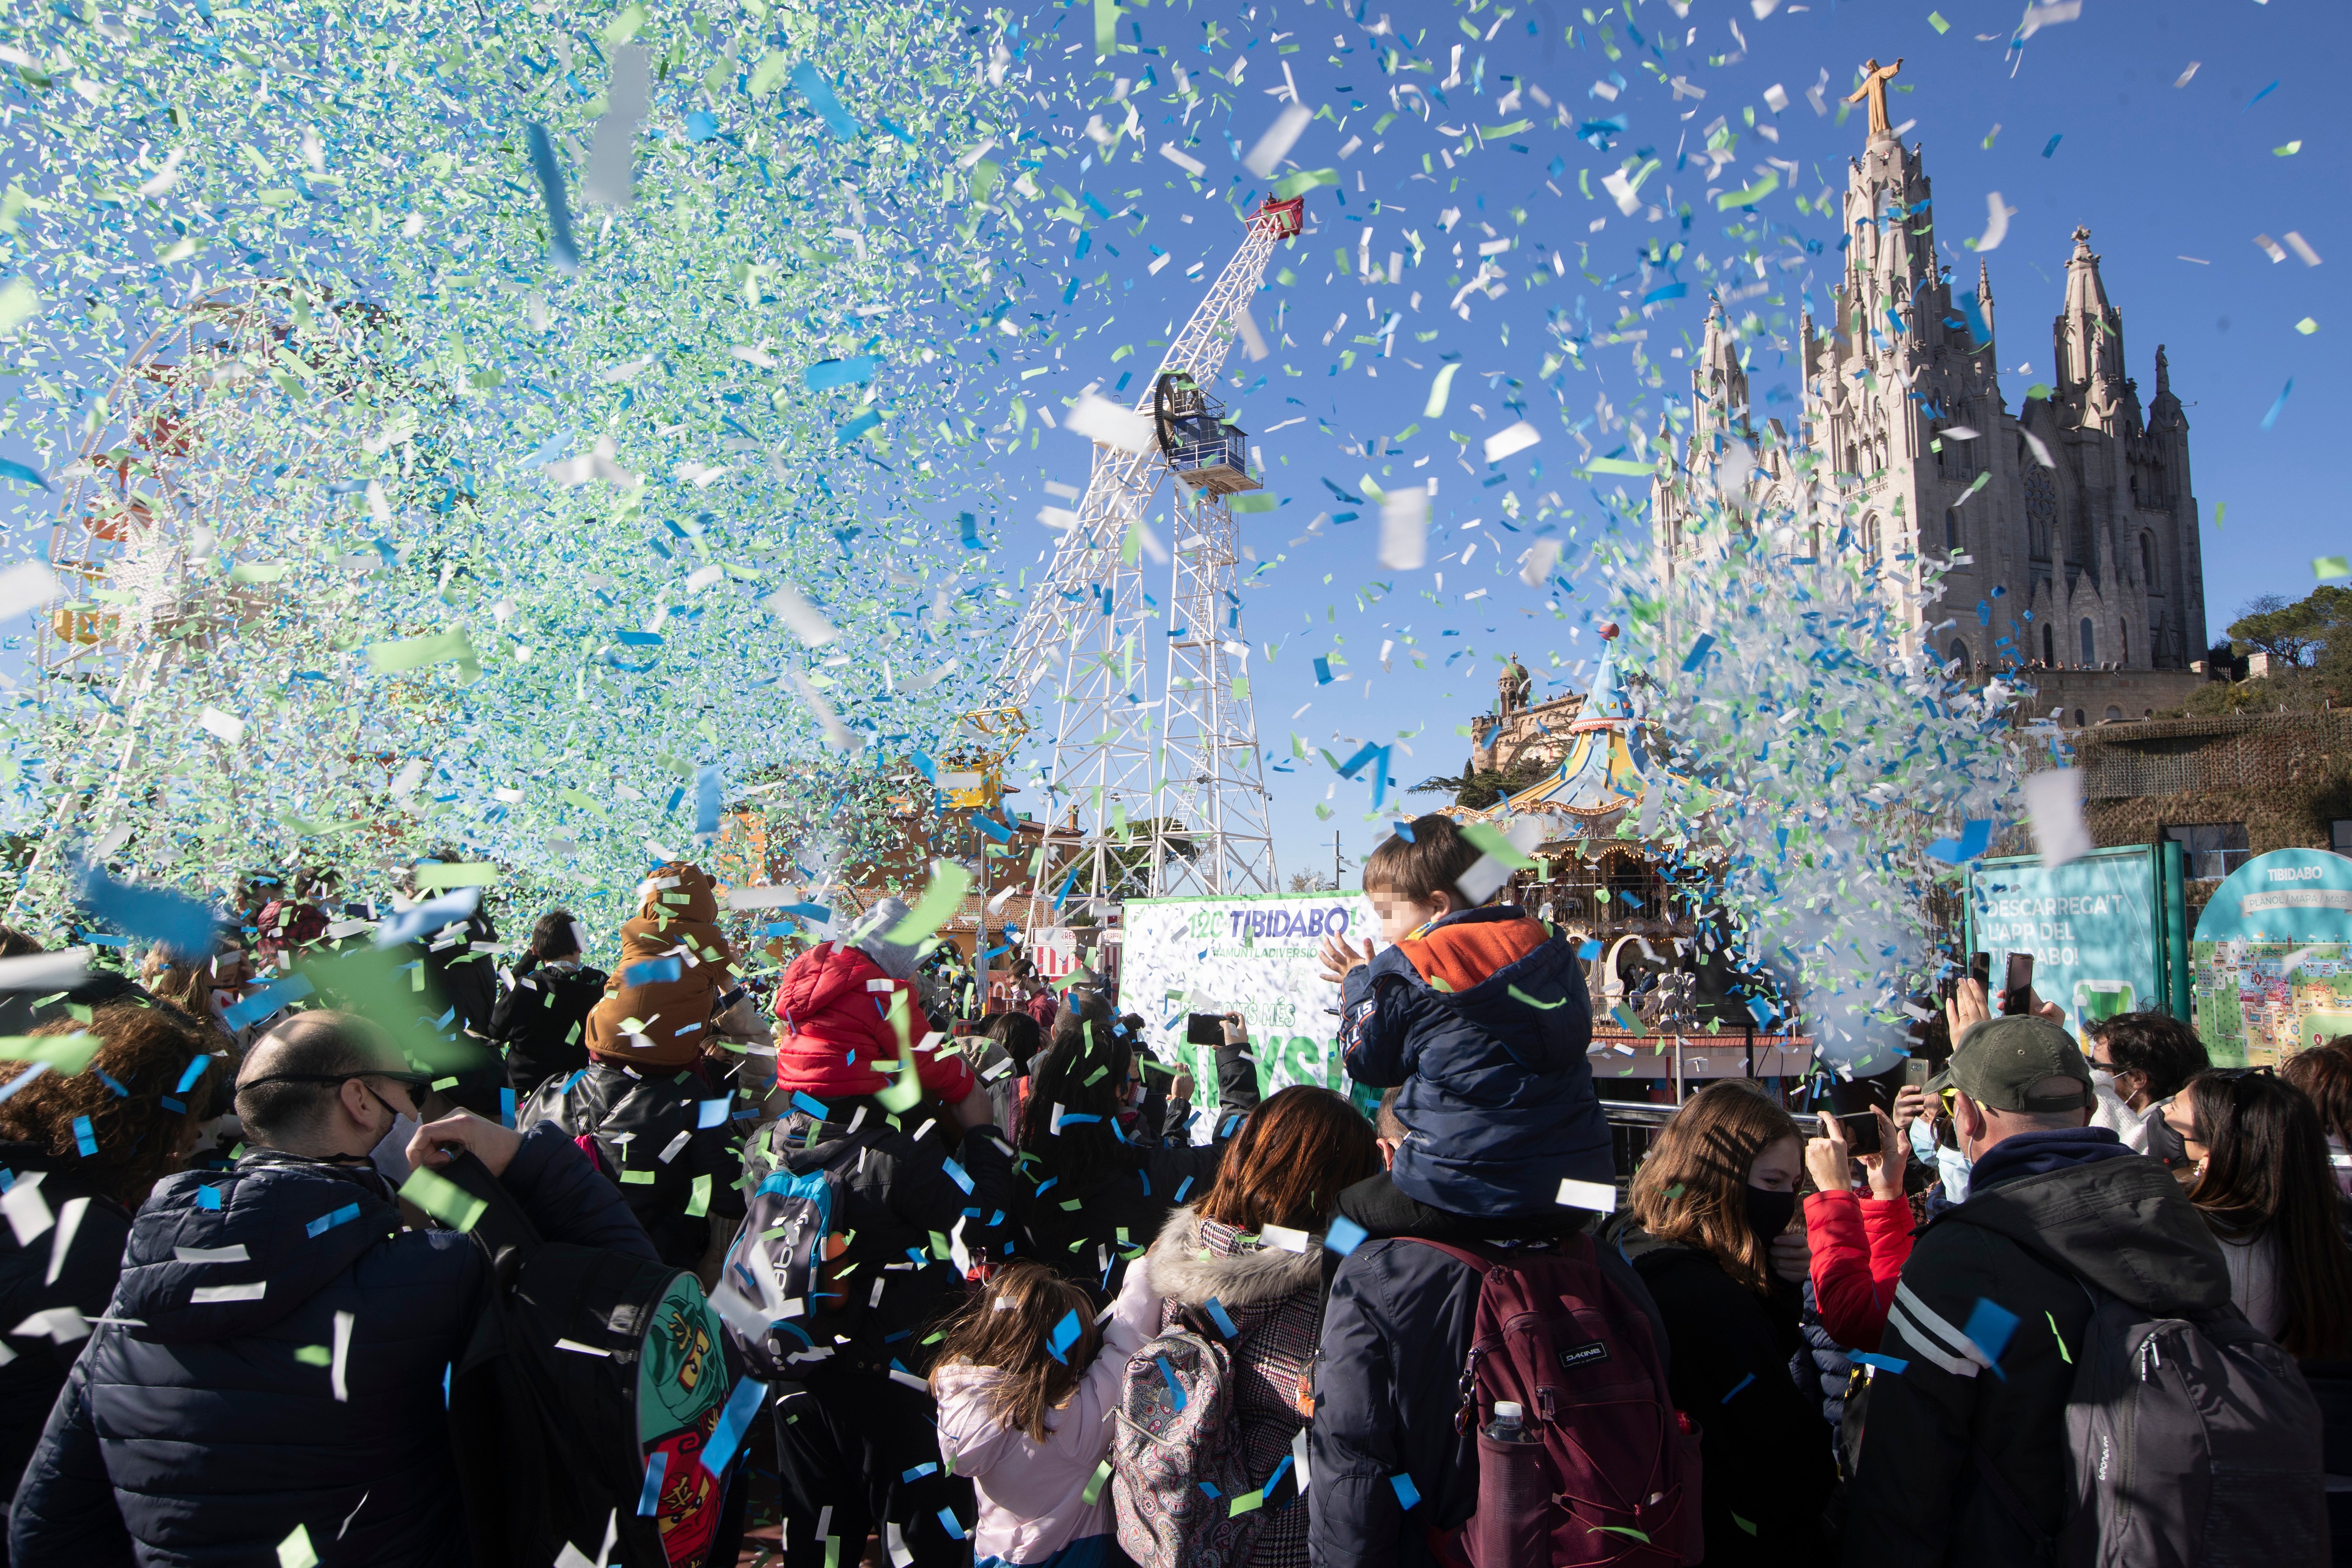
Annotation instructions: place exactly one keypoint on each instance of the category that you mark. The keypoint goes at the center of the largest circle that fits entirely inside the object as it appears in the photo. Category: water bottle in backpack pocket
(1582, 1457)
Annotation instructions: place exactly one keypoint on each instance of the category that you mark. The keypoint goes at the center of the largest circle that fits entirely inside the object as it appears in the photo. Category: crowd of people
(1003, 1289)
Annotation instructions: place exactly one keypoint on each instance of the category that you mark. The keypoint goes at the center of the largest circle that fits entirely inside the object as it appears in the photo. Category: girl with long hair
(1709, 1233)
(1028, 1389)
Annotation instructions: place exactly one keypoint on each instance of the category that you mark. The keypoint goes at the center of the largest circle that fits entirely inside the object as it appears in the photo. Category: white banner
(1251, 956)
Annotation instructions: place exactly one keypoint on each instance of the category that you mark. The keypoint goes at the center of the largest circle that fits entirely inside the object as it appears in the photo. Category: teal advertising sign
(2273, 958)
(2096, 927)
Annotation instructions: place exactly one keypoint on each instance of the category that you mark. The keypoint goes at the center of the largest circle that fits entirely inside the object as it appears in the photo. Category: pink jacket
(1033, 1495)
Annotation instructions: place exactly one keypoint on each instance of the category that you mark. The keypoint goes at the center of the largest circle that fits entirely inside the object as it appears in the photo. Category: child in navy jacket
(1480, 1013)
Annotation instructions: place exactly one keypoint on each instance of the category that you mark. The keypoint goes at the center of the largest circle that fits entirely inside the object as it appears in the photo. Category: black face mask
(1768, 1214)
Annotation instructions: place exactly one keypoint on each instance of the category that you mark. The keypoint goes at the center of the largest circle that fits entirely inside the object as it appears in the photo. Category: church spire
(1718, 384)
(2165, 416)
(2090, 344)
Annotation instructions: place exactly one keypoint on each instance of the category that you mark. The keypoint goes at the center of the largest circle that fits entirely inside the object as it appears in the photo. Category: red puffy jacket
(839, 1041)
(1859, 1245)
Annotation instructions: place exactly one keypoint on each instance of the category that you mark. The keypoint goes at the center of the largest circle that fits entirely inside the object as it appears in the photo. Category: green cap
(1999, 1061)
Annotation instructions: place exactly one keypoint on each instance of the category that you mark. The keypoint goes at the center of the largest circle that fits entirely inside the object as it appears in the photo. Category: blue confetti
(828, 373)
(208, 1197)
(1065, 1334)
(709, 1113)
(653, 970)
(315, 1229)
(1736, 1387)
(268, 999)
(196, 1070)
(725, 1437)
(2052, 147)
(812, 86)
(1223, 1319)
(1169, 1377)
(649, 1497)
(84, 1138)
(1699, 651)
(562, 254)
(916, 1474)
(1989, 1328)
(1343, 1236)
(813, 1106)
(15, 470)
(1408, 1495)
(1883, 1362)
(178, 924)
(949, 1522)
(706, 801)
(956, 1174)
(2280, 406)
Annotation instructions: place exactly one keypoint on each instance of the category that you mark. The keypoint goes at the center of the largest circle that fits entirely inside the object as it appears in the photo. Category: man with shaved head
(275, 1354)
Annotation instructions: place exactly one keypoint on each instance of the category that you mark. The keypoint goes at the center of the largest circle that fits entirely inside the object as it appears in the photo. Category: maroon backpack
(1609, 1469)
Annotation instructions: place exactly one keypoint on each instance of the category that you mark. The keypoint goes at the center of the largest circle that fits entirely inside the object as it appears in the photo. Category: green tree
(1478, 788)
(2298, 632)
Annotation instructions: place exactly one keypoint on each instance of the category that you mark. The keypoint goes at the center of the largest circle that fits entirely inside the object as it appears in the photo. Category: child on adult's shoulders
(1479, 1013)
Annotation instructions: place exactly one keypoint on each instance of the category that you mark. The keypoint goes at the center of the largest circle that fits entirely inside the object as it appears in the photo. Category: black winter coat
(2045, 1211)
(1396, 1334)
(903, 1190)
(1122, 1203)
(542, 1023)
(204, 1431)
(1767, 1454)
(650, 1141)
(92, 1263)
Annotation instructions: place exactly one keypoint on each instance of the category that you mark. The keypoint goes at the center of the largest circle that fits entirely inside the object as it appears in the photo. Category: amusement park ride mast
(1183, 767)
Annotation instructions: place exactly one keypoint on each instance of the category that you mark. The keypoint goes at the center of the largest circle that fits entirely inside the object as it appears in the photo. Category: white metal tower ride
(1178, 778)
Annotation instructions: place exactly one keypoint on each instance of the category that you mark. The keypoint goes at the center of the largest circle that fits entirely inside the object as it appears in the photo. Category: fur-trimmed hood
(1188, 1269)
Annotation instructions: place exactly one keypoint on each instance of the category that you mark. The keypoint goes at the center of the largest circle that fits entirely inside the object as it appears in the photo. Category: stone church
(2072, 520)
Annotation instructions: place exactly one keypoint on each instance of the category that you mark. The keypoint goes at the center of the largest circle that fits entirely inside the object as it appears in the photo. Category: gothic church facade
(2072, 523)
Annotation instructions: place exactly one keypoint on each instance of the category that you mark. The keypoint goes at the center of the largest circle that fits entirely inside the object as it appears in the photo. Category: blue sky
(2092, 129)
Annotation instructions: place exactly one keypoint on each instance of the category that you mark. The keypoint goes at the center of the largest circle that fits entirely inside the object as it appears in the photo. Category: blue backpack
(778, 1282)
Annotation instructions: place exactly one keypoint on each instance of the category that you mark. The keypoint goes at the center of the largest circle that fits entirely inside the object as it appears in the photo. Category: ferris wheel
(224, 431)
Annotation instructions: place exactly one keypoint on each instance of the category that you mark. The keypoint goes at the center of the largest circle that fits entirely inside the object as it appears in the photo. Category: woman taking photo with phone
(1859, 1243)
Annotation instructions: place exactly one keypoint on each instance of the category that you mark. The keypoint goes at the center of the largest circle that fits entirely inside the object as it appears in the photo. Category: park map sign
(2272, 961)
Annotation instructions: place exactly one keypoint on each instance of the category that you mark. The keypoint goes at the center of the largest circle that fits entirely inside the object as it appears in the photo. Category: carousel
(1666, 1009)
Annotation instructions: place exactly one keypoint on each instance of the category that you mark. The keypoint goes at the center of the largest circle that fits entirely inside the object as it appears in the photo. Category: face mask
(1769, 1213)
(2103, 1079)
(390, 1156)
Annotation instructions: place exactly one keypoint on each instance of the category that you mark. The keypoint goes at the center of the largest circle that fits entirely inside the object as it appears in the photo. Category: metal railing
(1634, 1126)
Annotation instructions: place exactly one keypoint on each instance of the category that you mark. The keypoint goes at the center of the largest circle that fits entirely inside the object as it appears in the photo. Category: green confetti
(444, 1200)
(66, 1054)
